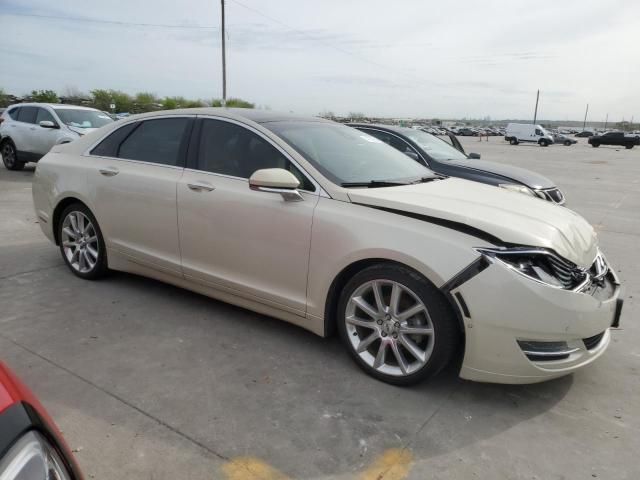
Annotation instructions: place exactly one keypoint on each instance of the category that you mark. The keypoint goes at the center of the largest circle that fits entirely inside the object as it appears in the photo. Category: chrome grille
(566, 272)
(552, 195)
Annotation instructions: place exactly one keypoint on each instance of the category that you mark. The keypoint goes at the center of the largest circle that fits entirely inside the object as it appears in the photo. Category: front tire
(567, 143)
(628, 147)
(595, 144)
(513, 141)
(396, 325)
(10, 157)
(544, 143)
(81, 243)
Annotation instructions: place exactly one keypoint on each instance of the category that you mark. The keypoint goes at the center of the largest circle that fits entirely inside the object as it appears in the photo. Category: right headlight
(540, 265)
(33, 458)
(514, 187)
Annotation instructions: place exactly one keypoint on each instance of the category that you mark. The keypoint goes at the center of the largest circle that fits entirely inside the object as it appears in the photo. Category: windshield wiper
(374, 184)
(429, 179)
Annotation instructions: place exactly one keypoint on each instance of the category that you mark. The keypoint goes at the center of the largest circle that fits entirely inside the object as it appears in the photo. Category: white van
(527, 132)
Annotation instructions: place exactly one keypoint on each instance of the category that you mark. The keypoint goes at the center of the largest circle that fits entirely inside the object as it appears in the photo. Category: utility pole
(224, 61)
(535, 113)
(584, 124)
(606, 120)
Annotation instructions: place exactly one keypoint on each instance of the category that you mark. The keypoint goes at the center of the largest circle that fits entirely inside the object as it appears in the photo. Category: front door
(255, 244)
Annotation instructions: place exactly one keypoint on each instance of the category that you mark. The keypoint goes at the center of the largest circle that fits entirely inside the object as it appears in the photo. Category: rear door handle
(109, 171)
(201, 186)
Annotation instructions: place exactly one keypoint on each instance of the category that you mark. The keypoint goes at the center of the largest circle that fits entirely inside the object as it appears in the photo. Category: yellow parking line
(393, 464)
(251, 468)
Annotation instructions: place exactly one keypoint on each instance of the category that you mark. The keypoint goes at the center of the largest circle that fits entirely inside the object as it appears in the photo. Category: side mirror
(48, 124)
(475, 156)
(276, 180)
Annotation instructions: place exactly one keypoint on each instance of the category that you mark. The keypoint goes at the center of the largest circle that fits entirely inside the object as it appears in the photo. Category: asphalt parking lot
(150, 381)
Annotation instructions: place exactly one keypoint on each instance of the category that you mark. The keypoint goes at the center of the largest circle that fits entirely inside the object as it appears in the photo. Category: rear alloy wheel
(81, 243)
(396, 325)
(10, 157)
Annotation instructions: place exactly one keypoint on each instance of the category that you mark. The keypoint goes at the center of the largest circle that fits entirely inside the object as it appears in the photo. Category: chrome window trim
(87, 152)
(319, 190)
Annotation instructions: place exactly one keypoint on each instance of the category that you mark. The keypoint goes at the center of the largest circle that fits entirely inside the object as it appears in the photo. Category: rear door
(134, 176)
(24, 136)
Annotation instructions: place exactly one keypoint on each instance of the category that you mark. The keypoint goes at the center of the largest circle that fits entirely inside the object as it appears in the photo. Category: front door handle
(109, 171)
(201, 186)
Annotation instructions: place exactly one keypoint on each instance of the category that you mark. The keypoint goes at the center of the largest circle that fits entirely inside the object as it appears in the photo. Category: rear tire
(628, 147)
(595, 144)
(567, 143)
(405, 333)
(10, 156)
(81, 243)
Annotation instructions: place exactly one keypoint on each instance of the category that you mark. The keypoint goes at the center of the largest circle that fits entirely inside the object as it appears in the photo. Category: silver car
(29, 130)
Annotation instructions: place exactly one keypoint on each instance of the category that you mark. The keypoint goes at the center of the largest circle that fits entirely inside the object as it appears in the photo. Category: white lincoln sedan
(326, 227)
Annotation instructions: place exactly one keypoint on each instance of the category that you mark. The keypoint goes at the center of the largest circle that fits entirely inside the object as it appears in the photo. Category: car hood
(510, 216)
(520, 175)
(81, 131)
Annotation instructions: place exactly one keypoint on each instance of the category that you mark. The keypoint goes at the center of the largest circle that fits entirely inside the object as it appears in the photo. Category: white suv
(29, 130)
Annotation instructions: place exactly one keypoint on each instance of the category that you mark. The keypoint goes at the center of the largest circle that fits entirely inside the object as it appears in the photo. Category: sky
(402, 58)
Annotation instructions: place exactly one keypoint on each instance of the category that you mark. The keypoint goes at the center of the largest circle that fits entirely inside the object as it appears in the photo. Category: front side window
(345, 155)
(44, 114)
(81, 118)
(229, 149)
(109, 146)
(155, 141)
(28, 114)
(433, 146)
(538, 131)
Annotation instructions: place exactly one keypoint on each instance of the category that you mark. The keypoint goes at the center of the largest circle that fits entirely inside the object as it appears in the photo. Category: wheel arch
(348, 272)
(57, 212)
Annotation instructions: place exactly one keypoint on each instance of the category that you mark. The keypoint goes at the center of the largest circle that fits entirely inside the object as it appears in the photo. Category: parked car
(527, 132)
(562, 139)
(615, 138)
(466, 132)
(31, 446)
(29, 130)
(329, 228)
(451, 160)
(585, 134)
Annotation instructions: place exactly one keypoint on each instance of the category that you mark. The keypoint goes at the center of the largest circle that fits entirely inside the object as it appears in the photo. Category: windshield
(82, 118)
(433, 146)
(346, 155)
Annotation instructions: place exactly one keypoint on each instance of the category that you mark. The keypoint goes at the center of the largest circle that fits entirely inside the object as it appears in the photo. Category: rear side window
(155, 141)
(43, 114)
(110, 145)
(229, 149)
(13, 113)
(28, 114)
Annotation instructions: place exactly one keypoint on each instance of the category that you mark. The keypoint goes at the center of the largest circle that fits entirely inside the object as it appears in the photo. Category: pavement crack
(7, 277)
(119, 399)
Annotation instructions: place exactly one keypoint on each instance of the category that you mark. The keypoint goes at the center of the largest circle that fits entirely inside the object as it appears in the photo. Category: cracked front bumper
(504, 308)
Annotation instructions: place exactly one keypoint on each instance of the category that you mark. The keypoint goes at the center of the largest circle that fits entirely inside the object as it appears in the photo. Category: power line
(111, 22)
(310, 37)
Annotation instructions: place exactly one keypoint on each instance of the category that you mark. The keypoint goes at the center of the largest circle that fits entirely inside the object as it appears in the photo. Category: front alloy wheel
(389, 327)
(396, 325)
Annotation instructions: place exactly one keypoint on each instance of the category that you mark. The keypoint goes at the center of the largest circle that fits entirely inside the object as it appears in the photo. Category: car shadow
(273, 390)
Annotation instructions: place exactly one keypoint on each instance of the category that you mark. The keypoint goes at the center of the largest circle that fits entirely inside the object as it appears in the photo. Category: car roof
(257, 116)
(52, 105)
(393, 128)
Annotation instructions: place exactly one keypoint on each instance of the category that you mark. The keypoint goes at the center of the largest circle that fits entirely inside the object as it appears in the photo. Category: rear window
(13, 113)
(27, 114)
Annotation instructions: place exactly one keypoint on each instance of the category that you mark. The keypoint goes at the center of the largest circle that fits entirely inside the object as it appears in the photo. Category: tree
(239, 103)
(146, 102)
(356, 115)
(44, 96)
